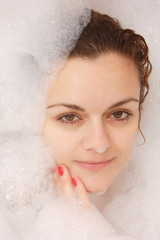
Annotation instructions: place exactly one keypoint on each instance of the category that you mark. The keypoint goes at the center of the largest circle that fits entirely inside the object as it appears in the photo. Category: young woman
(93, 109)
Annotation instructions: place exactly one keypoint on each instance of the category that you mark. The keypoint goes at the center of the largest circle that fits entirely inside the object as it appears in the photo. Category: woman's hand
(70, 187)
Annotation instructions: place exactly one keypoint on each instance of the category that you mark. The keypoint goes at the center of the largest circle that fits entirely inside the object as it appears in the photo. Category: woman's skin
(93, 103)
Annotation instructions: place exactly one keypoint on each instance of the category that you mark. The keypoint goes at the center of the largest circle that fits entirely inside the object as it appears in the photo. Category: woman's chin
(95, 188)
(98, 192)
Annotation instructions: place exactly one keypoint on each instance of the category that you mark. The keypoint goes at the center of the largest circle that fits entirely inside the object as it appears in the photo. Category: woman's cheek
(124, 140)
(63, 149)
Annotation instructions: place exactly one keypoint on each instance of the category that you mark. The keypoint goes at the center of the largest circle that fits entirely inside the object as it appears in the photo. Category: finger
(81, 193)
(64, 182)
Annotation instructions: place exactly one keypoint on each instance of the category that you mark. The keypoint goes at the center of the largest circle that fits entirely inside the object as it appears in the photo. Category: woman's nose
(96, 137)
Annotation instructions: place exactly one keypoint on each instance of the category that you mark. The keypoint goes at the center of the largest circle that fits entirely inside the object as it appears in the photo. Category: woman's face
(93, 104)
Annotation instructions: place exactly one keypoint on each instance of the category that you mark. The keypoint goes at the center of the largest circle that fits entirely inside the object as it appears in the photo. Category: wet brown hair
(104, 34)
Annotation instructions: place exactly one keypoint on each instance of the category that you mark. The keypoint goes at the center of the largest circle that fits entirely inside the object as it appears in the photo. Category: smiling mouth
(93, 165)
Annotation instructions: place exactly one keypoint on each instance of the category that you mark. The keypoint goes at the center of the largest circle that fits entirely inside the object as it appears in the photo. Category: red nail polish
(74, 182)
(60, 169)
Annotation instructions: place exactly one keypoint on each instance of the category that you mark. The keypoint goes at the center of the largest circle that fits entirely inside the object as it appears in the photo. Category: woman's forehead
(103, 63)
(107, 77)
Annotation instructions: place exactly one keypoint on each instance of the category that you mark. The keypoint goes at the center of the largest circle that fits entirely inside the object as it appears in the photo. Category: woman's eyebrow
(78, 108)
(72, 106)
(123, 102)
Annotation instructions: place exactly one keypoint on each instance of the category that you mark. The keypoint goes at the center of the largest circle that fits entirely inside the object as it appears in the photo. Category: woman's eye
(68, 118)
(120, 115)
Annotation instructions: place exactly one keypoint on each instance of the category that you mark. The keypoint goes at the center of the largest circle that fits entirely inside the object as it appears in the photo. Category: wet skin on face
(92, 104)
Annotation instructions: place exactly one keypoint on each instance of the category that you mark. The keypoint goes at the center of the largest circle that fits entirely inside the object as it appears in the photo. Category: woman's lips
(93, 165)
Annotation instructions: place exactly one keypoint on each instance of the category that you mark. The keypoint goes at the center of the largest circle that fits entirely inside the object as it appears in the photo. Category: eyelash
(68, 122)
(114, 119)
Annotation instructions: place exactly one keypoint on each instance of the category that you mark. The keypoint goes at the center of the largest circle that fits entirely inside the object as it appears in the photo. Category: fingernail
(60, 169)
(74, 182)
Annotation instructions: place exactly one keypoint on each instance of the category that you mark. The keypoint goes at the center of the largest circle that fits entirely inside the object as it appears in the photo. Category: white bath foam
(46, 30)
(66, 220)
(5, 232)
(22, 100)
(24, 180)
